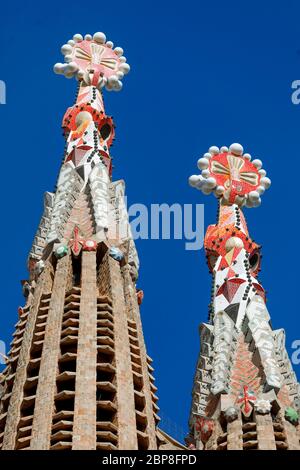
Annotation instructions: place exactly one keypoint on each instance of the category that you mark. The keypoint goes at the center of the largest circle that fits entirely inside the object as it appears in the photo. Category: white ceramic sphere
(261, 189)
(202, 163)
(207, 155)
(58, 68)
(256, 203)
(66, 49)
(213, 150)
(72, 67)
(77, 37)
(118, 86)
(210, 182)
(199, 183)
(99, 37)
(206, 190)
(266, 182)
(124, 67)
(257, 163)
(253, 196)
(220, 190)
(236, 149)
(205, 173)
(112, 80)
(119, 51)
(80, 74)
(193, 180)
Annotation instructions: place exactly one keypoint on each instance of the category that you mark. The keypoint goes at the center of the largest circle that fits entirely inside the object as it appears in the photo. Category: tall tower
(245, 393)
(78, 375)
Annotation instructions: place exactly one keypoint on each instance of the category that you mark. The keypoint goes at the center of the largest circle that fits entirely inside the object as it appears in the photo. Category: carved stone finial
(262, 406)
(231, 414)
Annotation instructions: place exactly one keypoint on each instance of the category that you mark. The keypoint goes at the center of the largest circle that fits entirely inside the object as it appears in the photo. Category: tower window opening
(76, 265)
(65, 405)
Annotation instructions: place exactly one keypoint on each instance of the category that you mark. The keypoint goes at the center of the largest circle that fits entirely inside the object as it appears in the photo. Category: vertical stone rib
(84, 428)
(131, 295)
(235, 435)
(265, 432)
(44, 403)
(291, 435)
(13, 414)
(125, 388)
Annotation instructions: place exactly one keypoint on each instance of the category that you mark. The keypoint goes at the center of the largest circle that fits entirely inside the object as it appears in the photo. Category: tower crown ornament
(82, 301)
(93, 60)
(231, 176)
(241, 370)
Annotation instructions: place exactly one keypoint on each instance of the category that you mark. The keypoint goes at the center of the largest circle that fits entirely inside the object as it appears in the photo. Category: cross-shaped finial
(246, 398)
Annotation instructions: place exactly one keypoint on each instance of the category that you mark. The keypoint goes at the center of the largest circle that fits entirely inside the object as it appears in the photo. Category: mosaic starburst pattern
(94, 60)
(230, 174)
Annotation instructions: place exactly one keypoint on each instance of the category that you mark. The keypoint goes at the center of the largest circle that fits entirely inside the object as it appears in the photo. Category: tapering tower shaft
(245, 394)
(78, 375)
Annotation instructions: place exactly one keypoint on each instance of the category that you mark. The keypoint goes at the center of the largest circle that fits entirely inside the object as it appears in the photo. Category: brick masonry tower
(78, 375)
(245, 393)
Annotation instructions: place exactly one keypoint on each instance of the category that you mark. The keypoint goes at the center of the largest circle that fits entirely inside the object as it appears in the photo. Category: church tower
(245, 395)
(78, 375)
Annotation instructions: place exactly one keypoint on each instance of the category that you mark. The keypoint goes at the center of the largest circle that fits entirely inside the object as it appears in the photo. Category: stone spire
(245, 393)
(78, 375)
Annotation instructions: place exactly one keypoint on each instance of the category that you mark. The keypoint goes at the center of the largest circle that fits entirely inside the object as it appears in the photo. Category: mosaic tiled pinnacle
(245, 393)
(78, 375)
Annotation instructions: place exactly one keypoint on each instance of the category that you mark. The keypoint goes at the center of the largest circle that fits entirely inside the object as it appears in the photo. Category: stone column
(125, 389)
(44, 402)
(84, 428)
(135, 315)
(265, 432)
(291, 433)
(13, 414)
(235, 435)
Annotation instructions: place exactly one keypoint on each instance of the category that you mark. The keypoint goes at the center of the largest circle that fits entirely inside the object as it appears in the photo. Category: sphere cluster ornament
(262, 406)
(291, 415)
(61, 251)
(89, 245)
(116, 253)
(94, 61)
(231, 414)
(39, 267)
(230, 175)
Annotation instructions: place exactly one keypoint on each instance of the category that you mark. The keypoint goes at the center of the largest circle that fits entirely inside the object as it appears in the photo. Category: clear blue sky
(203, 73)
